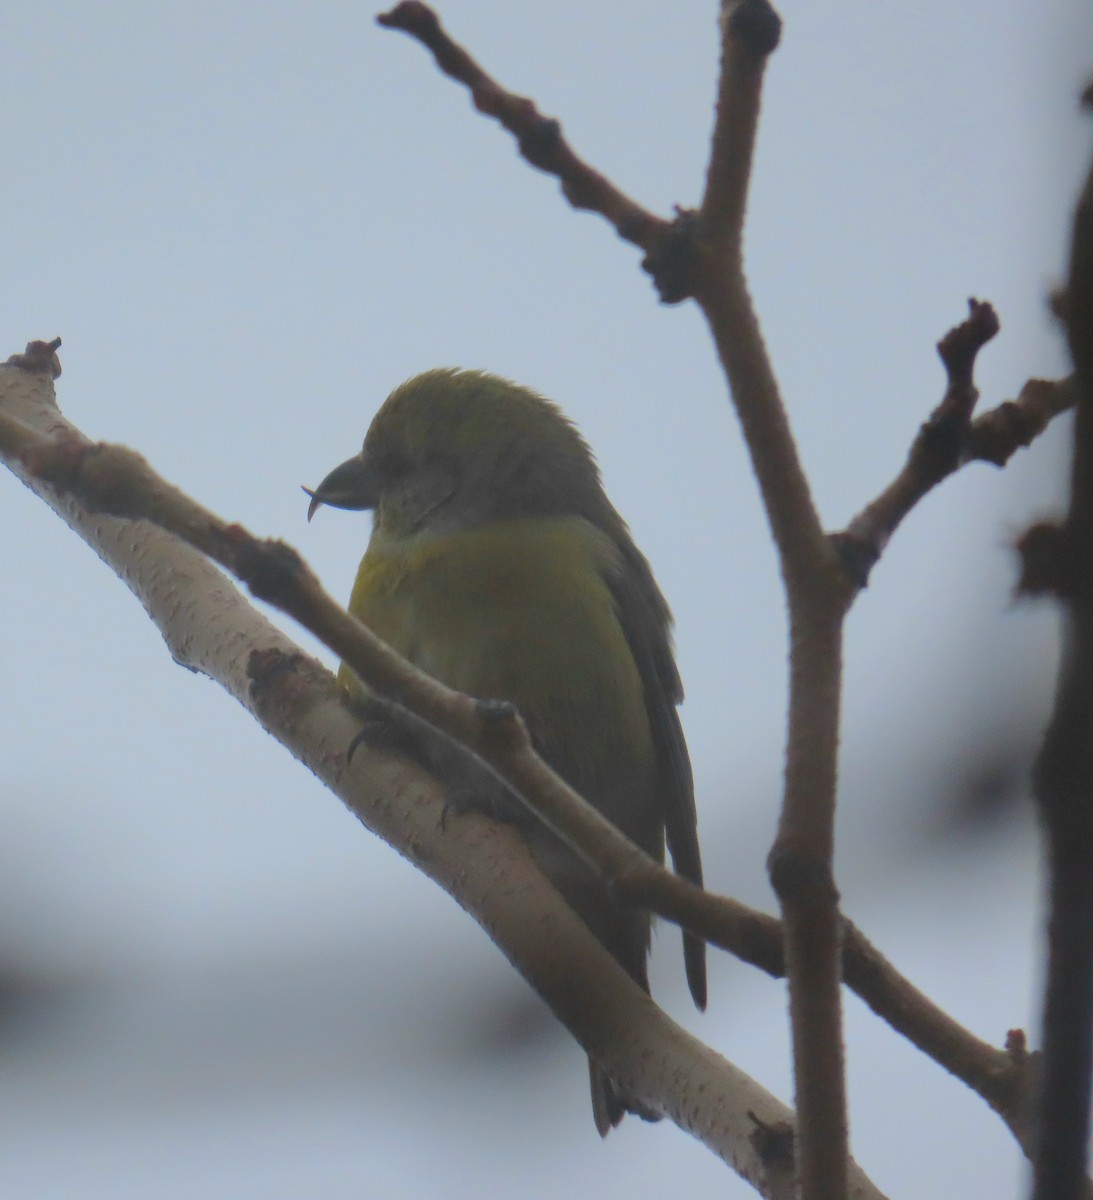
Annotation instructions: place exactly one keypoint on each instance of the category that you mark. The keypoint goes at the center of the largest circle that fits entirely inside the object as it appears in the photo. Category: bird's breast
(520, 611)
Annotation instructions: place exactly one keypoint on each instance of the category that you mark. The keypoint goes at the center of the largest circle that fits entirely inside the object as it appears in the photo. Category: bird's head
(454, 449)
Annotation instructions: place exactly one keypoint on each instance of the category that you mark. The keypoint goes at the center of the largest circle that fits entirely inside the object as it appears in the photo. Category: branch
(801, 859)
(935, 454)
(541, 143)
(1064, 780)
(483, 865)
(750, 33)
(996, 436)
(950, 438)
(1003, 1078)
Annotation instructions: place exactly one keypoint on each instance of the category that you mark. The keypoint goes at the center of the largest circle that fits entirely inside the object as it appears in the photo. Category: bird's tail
(609, 1106)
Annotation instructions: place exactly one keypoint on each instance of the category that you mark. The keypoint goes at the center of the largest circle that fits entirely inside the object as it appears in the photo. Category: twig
(1064, 785)
(1000, 1077)
(750, 33)
(801, 871)
(951, 439)
(996, 435)
(992, 437)
(541, 142)
(1003, 1078)
(940, 448)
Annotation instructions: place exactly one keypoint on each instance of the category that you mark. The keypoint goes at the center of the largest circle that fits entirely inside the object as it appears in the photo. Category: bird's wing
(647, 621)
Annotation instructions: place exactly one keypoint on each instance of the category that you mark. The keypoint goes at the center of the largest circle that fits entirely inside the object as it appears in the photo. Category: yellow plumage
(518, 611)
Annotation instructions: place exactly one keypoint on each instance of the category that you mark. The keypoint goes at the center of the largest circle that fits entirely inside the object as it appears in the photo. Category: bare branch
(800, 862)
(937, 451)
(951, 438)
(1003, 1078)
(542, 144)
(800, 865)
(698, 254)
(1064, 784)
(750, 33)
(996, 435)
(483, 865)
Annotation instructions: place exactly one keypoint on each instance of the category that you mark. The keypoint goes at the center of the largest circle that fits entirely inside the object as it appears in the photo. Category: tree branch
(538, 137)
(750, 33)
(996, 435)
(1064, 783)
(209, 627)
(950, 439)
(801, 859)
(935, 454)
(1003, 1078)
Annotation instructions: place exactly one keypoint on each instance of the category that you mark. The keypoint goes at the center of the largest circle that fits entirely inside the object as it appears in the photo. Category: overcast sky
(248, 222)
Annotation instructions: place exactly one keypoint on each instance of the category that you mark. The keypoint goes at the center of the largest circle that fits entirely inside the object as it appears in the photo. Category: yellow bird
(498, 565)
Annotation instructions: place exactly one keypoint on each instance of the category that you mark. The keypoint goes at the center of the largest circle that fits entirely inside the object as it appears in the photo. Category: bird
(498, 565)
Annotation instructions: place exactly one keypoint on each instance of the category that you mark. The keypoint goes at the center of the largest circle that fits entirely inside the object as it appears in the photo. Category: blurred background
(249, 221)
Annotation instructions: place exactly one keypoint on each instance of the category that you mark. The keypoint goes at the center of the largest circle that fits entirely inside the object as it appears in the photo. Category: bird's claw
(457, 802)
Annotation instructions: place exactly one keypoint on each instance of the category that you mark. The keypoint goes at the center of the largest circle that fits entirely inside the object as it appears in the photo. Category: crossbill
(498, 565)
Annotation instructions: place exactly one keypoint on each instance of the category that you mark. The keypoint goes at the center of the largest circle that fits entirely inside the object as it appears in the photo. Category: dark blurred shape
(512, 1021)
(28, 997)
(986, 790)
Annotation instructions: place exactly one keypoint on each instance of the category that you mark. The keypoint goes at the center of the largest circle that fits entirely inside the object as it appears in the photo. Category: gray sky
(249, 222)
